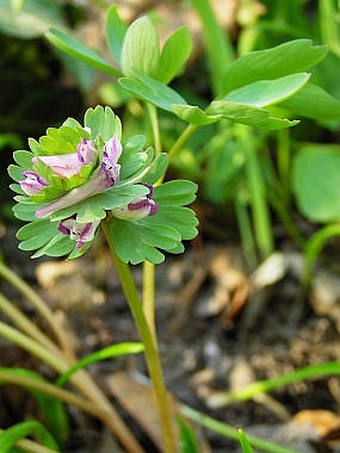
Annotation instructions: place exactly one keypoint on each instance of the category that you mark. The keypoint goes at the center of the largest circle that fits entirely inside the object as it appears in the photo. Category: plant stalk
(151, 353)
(183, 138)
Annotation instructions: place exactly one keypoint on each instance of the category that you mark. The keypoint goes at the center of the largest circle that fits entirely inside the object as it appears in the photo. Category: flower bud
(33, 183)
(138, 208)
(77, 231)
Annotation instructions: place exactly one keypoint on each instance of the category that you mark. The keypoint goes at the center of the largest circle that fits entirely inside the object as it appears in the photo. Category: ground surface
(219, 330)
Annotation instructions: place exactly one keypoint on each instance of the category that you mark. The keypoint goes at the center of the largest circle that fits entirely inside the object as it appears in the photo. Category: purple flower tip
(77, 231)
(33, 183)
(138, 208)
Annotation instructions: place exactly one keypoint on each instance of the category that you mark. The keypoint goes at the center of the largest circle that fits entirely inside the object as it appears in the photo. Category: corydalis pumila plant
(76, 176)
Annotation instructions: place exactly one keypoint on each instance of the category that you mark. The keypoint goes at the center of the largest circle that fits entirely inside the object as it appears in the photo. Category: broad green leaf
(26, 211)
(16, 172)
(194, 115)
(313, 102)
(246, 447)
(20, 431)
(78, 50)
(133, 157)
(33, 20)
(115, 33)
(316, 182)
(103, 354)
(251, 116)
(176, 193)
(150, 90)
(268, 92)
(187, 439)
(175, 53)
(102, 121)
(53, 409)
(36, 234)
(23, 158)
(140, 49)
(288, 58)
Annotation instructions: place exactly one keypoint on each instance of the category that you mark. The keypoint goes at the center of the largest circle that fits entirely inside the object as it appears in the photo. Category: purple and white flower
(33, 183)
(77, 231)
(105, 177)
(68, 165)
(138, 208)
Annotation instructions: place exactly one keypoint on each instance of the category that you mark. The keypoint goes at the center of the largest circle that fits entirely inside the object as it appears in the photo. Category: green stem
(246, 232)
(149, 297)
(283, 161)
(39, 304)
(29, 446)
(262, 224)
(81, 380)
(314, 247)
(309, 372)
(155, 128)
(186, 134)
(151, 353)
(232, 433)
(27, 326)
(54, 391)
(217, 42)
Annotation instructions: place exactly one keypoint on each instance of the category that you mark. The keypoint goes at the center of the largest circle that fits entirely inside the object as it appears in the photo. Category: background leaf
(313, 102)
(268, 92)
(151, 90)
(249, 115)
(175, 53)
(115, 32)
(288, 58)
(187, 440)
(246, 447)
(80, 51)
(140, 49)
(316, 182)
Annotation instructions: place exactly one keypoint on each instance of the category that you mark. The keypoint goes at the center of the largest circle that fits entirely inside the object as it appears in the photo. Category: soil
(220, 328)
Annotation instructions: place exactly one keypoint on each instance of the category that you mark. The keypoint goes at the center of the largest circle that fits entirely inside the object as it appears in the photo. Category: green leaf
(288, 58)
(115, 33)
(26, 211)
(78, 50)
(268, 92)
(137, 241)
(251, 116)
(150, 90)
(313, 102)
(316, 182)
(63, 140)
(140, 49)
(194, 115)
(187, 439)
(175, 53)
(36, 234)
(133, 157)
(133, 243)
(102, 121)
(103, 354)
(33, 20)
(246, 447)
(21, 430)
(157, 169)
(59, 245)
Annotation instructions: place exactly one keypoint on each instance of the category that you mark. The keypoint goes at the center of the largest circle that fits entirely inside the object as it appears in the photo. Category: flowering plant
(76, 176)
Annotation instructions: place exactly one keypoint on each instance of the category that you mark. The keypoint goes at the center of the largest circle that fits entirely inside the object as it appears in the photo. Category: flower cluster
(75, 175)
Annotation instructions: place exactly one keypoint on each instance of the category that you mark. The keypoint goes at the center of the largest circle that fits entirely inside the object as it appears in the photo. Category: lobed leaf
(102, 121)
(194, 115)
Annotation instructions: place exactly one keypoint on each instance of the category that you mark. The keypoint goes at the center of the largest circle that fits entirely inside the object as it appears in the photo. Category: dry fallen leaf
(326, 423)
